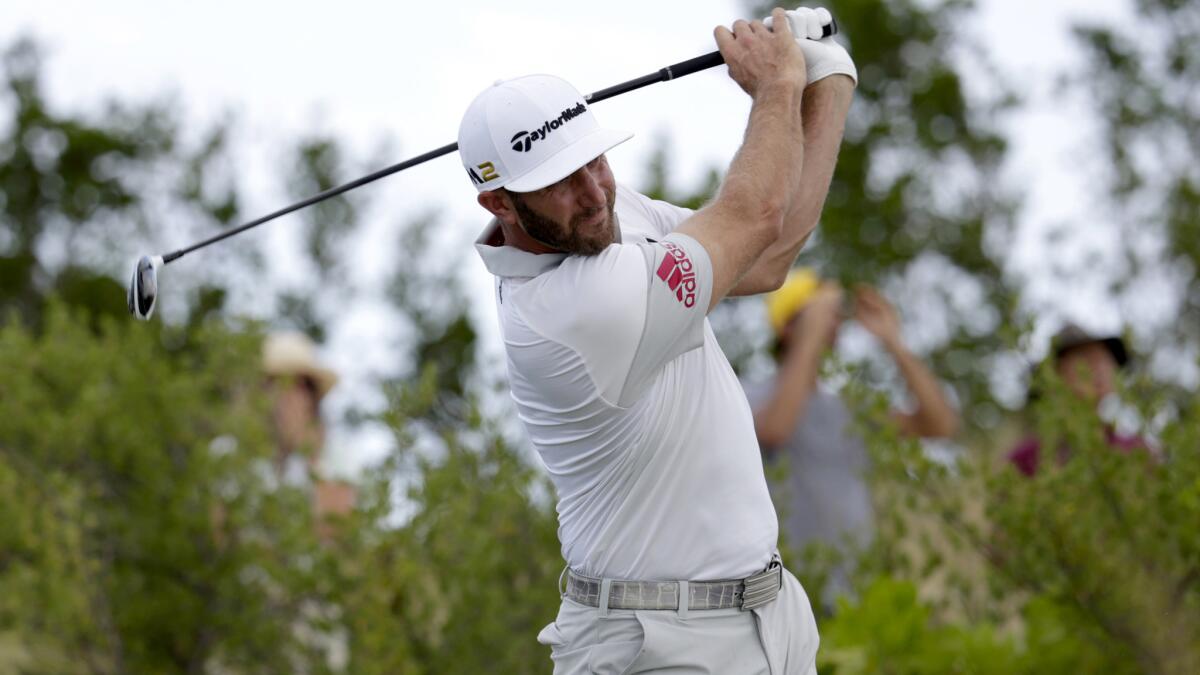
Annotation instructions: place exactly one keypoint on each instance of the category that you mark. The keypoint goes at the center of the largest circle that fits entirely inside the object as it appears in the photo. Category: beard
(571, 239)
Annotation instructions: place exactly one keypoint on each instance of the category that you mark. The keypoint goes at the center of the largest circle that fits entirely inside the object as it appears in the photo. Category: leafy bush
(1094, 559)
(144, 532)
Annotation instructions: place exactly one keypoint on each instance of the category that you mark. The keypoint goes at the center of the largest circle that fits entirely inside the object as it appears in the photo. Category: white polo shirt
(632, 405)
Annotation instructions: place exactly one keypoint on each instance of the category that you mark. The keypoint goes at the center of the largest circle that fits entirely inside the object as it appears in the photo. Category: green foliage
(888, 630)
(915, 192)
(76, 189)
(1092, 565)
(911, 130)
(145, 531)
(1095, 555)
(59, 167)
(468, 581)
(427, 290)
(61, 173)
(319, 164)
(146, 536)
(1140, 78)
(1106, 515)
(1057, 641)
(318, 167)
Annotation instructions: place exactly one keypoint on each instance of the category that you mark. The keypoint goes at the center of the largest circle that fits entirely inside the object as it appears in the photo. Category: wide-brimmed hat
(526, 133)
(294, 354)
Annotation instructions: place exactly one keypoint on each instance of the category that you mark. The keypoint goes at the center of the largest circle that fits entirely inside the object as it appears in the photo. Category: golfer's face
(576, 213)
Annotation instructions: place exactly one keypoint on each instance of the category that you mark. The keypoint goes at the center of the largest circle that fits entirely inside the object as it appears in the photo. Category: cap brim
(568, 160)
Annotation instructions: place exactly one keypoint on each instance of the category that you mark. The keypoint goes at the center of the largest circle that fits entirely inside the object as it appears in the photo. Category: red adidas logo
(676, 269)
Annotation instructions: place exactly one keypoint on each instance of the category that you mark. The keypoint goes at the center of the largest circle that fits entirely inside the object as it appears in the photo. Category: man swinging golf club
(664, 516)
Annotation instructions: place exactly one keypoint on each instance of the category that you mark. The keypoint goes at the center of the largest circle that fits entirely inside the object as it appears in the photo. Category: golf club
(143, 288)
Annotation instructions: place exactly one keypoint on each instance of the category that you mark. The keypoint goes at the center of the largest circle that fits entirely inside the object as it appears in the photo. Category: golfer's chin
(592, 238)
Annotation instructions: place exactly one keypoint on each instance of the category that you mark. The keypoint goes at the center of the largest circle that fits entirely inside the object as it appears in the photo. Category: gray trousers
(777, 639)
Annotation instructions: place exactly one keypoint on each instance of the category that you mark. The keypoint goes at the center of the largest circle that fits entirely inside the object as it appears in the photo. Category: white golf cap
(529, 132)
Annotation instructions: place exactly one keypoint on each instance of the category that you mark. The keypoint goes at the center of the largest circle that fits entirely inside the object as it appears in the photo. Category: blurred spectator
(298, 384)
(1088, 365)
(825, 496)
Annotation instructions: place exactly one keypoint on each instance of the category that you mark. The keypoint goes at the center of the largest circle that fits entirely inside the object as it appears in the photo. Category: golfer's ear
(499, 205)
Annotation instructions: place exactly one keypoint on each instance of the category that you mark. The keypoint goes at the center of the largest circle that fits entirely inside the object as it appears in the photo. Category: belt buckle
(762, 588)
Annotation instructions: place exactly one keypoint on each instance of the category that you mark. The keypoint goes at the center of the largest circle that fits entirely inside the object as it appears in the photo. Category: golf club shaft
(670, 72)
(662, 75)
(319, 197)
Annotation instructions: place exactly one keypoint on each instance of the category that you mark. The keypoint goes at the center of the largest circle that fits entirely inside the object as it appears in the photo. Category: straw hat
(295, 354)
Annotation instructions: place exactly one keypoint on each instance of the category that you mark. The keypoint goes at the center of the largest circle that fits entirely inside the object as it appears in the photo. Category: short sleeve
(627, 312)
(678, 293)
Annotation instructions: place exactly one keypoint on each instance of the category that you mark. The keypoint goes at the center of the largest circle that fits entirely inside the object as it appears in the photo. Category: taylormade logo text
(522, 141)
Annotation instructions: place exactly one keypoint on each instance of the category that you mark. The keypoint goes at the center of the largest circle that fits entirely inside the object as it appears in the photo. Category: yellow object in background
(791, 297)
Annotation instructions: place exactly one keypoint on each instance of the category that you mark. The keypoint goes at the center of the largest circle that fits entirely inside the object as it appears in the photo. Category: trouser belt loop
(562, 578)
(605, 587)
(684, 597)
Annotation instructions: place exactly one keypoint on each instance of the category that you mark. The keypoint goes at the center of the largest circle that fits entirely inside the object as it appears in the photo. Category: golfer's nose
(587, 183)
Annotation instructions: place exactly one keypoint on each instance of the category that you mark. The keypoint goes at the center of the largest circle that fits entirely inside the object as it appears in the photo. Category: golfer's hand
(823, 56)
(758, 58)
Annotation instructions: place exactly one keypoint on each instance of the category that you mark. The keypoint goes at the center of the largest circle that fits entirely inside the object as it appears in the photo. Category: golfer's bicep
(731, 250)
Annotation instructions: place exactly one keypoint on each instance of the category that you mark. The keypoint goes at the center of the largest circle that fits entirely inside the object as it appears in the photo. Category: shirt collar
(510, 261)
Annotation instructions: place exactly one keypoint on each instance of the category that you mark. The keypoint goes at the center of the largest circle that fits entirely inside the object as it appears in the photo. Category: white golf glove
(824, 56)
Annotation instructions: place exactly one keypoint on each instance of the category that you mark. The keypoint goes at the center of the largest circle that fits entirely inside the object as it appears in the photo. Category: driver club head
(143, 288)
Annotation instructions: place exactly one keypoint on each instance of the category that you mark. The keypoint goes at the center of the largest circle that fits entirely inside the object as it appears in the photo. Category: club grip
(692, 65)
(706, 61)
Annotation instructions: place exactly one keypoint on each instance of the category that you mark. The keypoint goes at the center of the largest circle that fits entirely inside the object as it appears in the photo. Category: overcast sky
(363, 71)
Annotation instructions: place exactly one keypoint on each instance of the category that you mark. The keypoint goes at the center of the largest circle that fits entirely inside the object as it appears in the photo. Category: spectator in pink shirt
(1088, 366)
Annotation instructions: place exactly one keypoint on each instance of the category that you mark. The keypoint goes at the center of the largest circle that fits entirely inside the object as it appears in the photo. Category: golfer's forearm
(747, 214)
(763, 169)
(824, 114)
(934, 417)
(824, 108)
